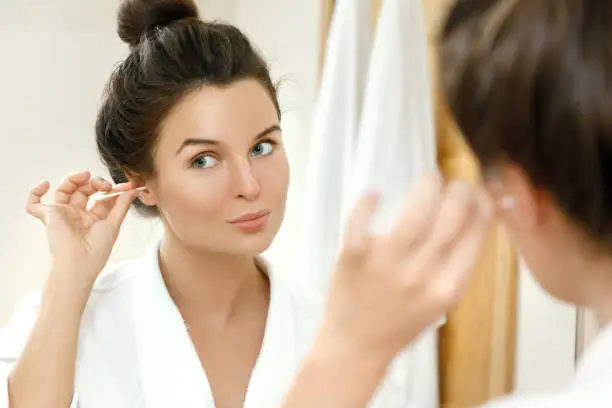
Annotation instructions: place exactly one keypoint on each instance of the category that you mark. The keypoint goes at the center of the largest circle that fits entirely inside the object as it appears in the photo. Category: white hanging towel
(332, 145)
(396, 146)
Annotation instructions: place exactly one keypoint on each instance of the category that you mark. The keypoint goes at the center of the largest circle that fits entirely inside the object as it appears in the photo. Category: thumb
(40, 211)
(34, 207)
(120, 209)
(357, 234)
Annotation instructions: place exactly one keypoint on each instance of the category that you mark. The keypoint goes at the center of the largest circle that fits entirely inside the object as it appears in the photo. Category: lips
(248, 217)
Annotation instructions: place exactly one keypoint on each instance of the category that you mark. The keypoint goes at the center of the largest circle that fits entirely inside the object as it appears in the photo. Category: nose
(246, 185)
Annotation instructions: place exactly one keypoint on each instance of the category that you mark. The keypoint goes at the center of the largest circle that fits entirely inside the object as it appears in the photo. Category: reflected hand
(78, 234)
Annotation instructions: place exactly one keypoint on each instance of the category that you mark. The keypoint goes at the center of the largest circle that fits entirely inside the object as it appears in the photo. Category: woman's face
(221, 170)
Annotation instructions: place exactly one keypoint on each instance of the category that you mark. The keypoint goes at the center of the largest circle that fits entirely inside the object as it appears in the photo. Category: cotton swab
(99, 197)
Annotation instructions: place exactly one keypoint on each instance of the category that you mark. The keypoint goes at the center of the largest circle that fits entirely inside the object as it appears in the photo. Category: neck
(212, 285)
(603, 311)
(599, 290)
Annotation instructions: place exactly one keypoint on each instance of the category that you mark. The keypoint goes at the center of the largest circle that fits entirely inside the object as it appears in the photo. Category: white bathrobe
(135, 352)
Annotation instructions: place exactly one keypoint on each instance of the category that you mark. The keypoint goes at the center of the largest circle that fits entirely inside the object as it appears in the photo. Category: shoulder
(117, 275)
(110, 289)
(110, 303)
(14, 335)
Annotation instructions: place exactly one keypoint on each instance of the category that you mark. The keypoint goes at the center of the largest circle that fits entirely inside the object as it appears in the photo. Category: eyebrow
(200, 141)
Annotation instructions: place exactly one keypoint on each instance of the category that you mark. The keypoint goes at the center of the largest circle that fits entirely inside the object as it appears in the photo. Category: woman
(192, 117)
(530, 85)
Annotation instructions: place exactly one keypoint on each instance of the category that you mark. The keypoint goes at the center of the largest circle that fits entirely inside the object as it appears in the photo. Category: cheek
(191, 195)
(276, 173)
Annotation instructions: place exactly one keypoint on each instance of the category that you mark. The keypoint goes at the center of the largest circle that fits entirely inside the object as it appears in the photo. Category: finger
(101, 208)
(456, 212)
(357, 234)
(33, 204)
(451, 280)
(419, 210)
(120, 209)
(82, 194)
(123, 187)
(115, 189)
(70, 185)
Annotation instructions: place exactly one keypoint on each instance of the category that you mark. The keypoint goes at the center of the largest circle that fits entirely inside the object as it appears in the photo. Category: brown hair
(530, 82)
(172, 52)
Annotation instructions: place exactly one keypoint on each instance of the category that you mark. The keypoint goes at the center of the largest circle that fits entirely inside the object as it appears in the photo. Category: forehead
(228, 113)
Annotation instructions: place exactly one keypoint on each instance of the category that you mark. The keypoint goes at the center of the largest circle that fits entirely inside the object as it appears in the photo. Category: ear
(529, 204)
(147, 196)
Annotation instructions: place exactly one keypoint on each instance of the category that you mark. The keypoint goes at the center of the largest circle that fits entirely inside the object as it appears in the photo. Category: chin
(251, 246)
(253, 242)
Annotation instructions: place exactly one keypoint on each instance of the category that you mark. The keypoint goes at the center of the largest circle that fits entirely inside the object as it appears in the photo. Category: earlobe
(527, 204)
(515, 197)
(147, 197)
(507, 203)
(141, 196)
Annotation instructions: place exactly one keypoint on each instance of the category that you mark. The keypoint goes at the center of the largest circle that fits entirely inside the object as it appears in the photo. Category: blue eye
(203, 162)
(262, 149)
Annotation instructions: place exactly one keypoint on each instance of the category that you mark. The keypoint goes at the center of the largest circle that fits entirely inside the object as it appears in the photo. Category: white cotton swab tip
(507, 203)
(99, 197)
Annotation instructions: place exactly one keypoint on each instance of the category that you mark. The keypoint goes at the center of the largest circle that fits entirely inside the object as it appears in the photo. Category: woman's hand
(81, 236)
(387, 289)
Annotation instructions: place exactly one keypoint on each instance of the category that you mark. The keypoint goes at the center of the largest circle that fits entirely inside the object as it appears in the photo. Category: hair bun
(136, 17)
